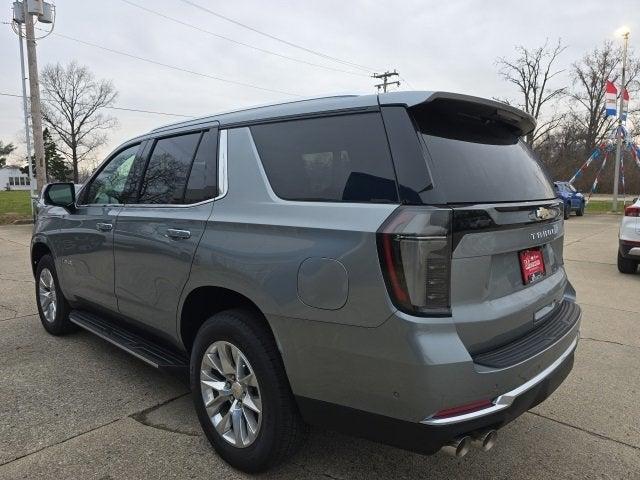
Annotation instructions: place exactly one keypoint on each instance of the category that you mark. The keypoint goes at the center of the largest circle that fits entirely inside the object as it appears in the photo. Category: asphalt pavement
(77, 407)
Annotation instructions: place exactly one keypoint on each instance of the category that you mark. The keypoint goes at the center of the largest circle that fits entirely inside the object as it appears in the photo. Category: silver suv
(384, 265)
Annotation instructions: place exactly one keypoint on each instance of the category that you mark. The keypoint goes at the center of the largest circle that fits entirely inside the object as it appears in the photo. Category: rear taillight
(632, 211)
(414, 245)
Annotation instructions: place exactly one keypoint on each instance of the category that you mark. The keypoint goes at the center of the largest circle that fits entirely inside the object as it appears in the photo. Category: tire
(626, 265)
(580, 211)
(54, 314)
(567, 211)
(280, 430)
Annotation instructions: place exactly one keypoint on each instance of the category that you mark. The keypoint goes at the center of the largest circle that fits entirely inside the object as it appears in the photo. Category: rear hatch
(505, 224)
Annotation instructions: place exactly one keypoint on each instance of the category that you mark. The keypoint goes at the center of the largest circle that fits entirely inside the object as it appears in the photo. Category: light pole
(23, 12)
(624, 31)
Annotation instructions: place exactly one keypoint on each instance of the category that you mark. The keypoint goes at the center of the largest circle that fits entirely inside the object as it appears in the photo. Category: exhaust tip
(458, 447)
(485, 441)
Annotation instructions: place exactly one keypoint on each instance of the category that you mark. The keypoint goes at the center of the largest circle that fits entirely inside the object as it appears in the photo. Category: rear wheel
(626, 265)
(241, 392)
(52, 306)
(567, 211)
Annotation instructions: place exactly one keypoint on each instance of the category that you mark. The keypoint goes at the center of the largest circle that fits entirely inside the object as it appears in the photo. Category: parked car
(572, 199)
(388, 265)
(629, 244)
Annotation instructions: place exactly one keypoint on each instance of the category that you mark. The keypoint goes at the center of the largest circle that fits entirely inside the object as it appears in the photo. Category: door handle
(104, 227)
(178, 234)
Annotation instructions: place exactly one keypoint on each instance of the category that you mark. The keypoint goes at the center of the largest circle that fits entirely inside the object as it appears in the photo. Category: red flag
(610, 99)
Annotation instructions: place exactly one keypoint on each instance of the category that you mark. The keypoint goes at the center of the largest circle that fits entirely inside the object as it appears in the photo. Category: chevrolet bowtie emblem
(543, 213)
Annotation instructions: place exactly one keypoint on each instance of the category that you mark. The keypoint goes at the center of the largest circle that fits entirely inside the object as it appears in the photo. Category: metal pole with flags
(620, 129)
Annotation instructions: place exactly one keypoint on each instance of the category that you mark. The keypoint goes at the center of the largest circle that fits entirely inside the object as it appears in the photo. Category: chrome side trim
(506, 399)
(223, 179)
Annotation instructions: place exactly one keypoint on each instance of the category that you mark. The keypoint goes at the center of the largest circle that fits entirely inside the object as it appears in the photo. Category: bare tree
(531, 71)
(72, 110)
(589, 76)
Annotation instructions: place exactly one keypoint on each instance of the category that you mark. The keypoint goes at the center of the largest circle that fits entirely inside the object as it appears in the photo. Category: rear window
(166, 175)
(479, 159)
(337, 159)
(203, 179)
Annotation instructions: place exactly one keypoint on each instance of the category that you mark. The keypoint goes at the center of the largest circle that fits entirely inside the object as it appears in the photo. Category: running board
(149, 352)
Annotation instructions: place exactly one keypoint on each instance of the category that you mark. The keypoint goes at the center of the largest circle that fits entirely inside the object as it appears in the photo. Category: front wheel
(580, 211)
(627, 265)
(241, 392)
(52, 306)
(567, 211)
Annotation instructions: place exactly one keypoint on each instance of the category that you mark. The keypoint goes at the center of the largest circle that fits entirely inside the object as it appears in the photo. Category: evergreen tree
(5, 149)
(57, 168)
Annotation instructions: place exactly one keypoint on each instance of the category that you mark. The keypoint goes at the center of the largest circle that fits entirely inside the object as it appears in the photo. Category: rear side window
(166, 175)
(203, 179)
(337, 159)
(479, 159)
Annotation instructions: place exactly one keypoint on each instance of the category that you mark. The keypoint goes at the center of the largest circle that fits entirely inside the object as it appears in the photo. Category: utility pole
(620, 131)
(384, 77)
(23, 12)
(25, 109)
(34, 91)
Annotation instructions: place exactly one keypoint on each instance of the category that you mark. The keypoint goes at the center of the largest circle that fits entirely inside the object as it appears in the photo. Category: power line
(173, 67)
(237, 42)
(4, 94)
(273, 37)
(408, 83)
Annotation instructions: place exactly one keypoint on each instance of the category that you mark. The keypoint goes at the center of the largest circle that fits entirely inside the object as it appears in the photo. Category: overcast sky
(435, 45)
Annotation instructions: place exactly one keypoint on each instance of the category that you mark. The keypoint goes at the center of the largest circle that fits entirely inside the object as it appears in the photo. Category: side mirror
(60, 195)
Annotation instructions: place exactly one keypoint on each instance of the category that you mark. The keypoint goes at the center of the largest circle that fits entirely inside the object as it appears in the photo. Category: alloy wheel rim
(47, 295)
(231, 394)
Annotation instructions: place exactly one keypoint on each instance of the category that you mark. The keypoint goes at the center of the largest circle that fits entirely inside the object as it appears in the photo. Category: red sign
(531, 264)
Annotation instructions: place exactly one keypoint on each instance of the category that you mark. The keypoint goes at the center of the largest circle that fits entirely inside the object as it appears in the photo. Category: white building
(11, 178)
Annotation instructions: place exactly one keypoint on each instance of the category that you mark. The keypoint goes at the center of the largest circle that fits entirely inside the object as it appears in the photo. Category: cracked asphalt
(77, 407)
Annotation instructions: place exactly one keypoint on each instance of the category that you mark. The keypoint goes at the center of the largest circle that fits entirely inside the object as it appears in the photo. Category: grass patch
(14, 205)
(603, 206)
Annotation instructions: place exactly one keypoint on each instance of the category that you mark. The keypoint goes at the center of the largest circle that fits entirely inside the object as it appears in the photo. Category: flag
(625, 103)
(610, 99)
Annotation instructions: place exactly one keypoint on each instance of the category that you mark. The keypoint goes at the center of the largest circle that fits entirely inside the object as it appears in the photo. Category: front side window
(109, 186)
(337, 159)
(166, 175)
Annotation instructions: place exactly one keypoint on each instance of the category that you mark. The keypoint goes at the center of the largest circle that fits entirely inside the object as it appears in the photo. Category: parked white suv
(629, 250)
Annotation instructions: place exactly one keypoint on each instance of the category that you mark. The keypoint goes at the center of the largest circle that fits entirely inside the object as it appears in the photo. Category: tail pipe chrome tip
(458, 447)
(485, 440)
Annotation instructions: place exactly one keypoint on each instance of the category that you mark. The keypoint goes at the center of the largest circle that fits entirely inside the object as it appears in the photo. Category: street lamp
(624, 33)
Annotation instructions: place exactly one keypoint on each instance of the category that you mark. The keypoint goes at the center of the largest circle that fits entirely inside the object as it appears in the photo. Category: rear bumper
(386, 383)
(630, 249)
(506, 400)
(428, 437)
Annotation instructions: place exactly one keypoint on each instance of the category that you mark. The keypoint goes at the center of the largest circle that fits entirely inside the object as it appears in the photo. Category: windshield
(477, 159)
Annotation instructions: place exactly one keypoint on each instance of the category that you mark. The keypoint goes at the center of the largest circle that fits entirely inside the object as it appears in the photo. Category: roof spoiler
(492, 109)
